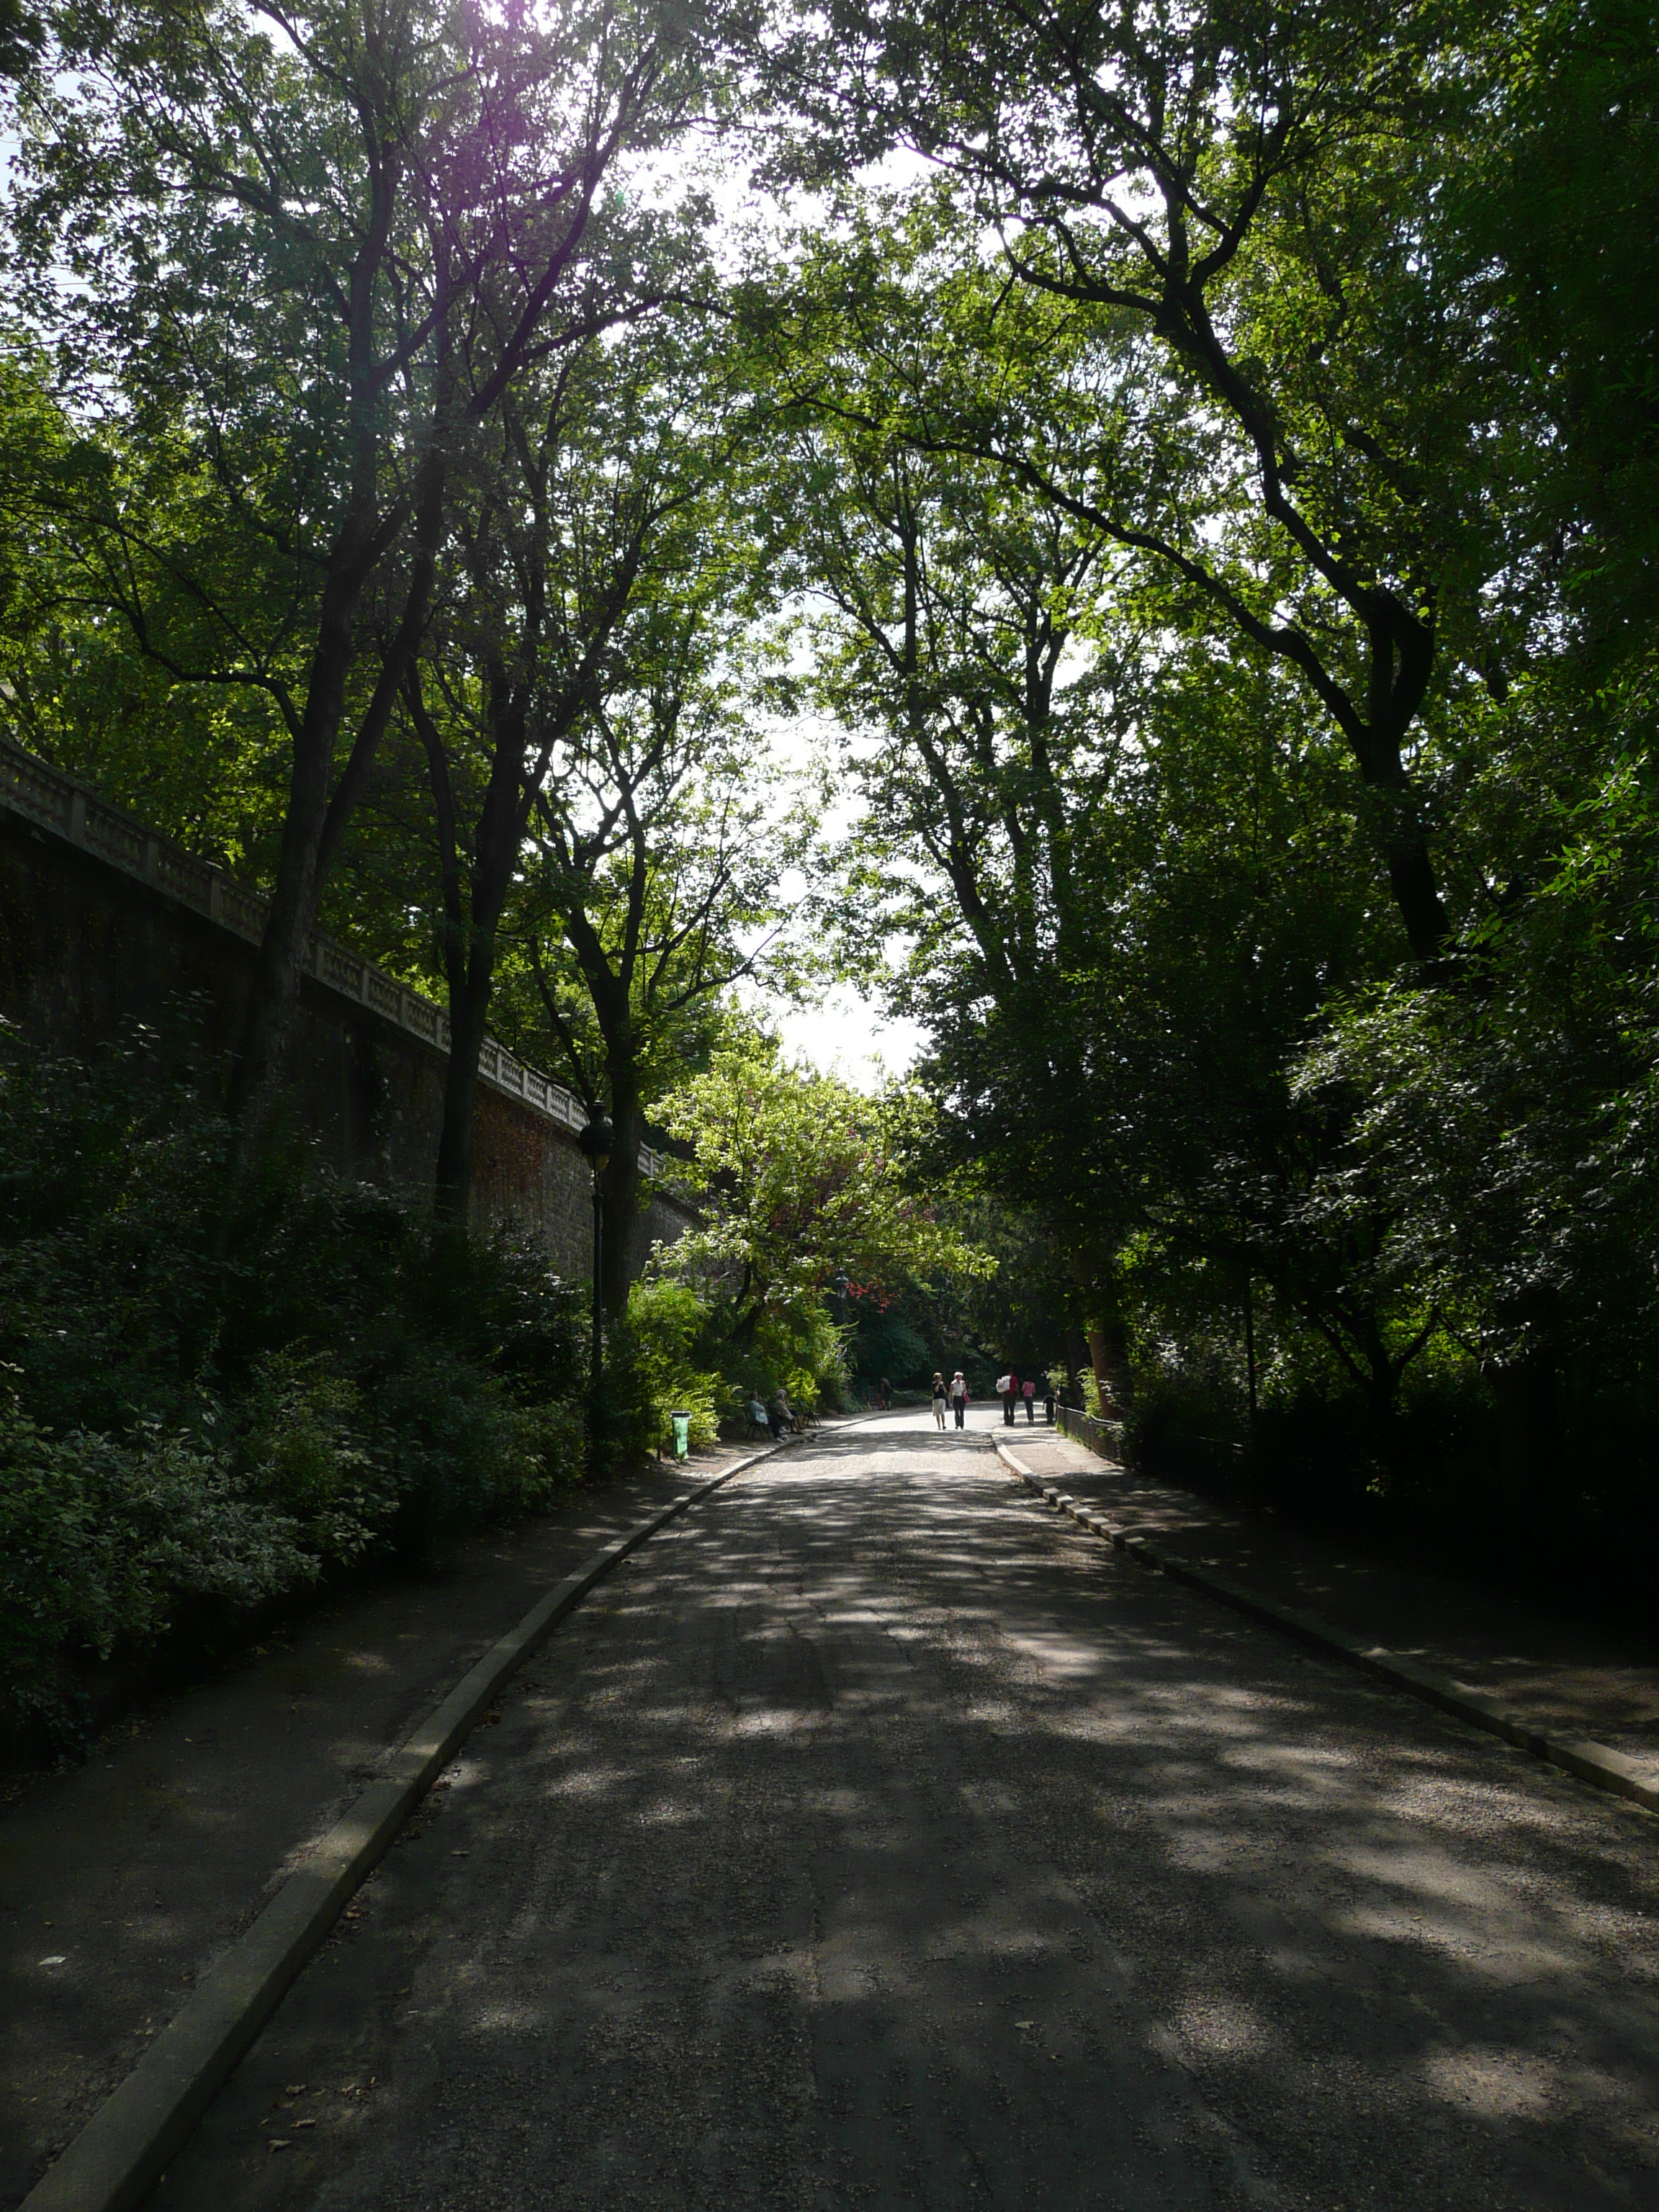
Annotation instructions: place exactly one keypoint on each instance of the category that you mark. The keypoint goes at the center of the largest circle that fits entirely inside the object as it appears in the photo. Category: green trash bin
(682, 1424)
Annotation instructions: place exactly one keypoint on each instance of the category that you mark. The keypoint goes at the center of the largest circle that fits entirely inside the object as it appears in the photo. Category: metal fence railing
(1105, 1437)
(50, 800)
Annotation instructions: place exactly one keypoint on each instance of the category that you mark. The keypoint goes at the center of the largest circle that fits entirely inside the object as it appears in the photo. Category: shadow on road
(875, 1840)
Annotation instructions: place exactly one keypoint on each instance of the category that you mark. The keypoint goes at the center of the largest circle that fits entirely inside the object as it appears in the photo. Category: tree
(22, 38)
(555, 541)
(1114, 859)
(1550, 223)
(660, 881)
(800, 1180)
(1213, 335)
(308, 261)
(584, 699)
(955, 598)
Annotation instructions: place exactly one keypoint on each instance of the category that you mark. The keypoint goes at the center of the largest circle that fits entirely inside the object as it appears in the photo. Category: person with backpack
(1008, 1390)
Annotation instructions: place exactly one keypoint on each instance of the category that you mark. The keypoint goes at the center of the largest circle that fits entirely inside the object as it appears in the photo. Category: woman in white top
(959, 1397)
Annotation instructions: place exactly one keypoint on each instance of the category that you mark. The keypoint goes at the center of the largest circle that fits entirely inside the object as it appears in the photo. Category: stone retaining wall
(104, 924)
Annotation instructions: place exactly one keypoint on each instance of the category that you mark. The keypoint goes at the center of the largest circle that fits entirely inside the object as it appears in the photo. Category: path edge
(121, 2152)
(1594, 1762)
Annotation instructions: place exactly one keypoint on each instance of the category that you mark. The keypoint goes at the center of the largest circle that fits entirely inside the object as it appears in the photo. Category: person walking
(1030, 1403)
(959, 1397)
(938, 1398)
(1049, 1399)
(1010, 1389)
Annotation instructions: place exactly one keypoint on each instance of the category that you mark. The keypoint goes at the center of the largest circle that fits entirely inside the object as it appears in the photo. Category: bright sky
(846, 1033)
(850, 1037)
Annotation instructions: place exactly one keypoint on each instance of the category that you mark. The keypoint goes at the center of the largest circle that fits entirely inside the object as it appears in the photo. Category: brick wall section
(86, 949)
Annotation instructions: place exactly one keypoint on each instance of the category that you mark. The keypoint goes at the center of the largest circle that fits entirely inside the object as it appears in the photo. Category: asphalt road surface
(875, 1839)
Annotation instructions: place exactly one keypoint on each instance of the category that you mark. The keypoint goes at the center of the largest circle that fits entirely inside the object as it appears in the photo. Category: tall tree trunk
(316, 821)
(1108, 1349)
(472, 980)
(1383, 1376)
(1078, 1354)
(469, 1015)
(470, 927)
(293, 910)
(1102, 1326)
(622, 1188)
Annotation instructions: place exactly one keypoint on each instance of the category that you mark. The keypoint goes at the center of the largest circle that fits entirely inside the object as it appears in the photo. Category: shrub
(101, 1538)
(222, 1384)
(659, 1367)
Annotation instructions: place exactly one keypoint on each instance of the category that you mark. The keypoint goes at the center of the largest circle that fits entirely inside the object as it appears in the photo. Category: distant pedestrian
(938, 1399)
(883, 1393)
(1049, 1399)
(1030, 1403)
(1008, 1390)
(959, 1397)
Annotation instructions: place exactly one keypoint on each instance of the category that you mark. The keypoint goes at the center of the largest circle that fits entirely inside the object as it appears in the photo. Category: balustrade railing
(53, 802)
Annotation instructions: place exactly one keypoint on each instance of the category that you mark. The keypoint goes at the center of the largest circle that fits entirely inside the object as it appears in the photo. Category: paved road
(876, 1839)
(121, 1881)
(1567, 1675)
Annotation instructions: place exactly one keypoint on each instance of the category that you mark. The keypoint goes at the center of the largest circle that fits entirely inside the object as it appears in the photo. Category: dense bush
(1428, 1482)
(219, 1384)
(681, 1352)
(663, 1369)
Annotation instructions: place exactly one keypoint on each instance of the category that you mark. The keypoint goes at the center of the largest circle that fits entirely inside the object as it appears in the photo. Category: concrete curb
(1594, 1762)
(118, 2156)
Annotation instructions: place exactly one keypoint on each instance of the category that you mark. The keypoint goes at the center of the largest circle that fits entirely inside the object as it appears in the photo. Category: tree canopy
(1181, 476)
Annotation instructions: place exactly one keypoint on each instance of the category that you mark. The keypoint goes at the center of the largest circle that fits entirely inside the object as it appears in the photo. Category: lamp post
(596, 1141)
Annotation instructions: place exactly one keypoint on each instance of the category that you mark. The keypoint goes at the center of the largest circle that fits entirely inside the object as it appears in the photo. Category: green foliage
(680, 1353)
(1239, 617)
(886, 1344)
(802, 1180)
(101, 1537)
(667, 1335)
(219, 1388)
(809, 1200)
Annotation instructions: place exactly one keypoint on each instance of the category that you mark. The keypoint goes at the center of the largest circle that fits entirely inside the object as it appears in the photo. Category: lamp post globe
(598, 1140)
